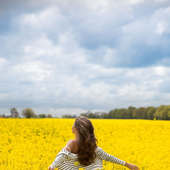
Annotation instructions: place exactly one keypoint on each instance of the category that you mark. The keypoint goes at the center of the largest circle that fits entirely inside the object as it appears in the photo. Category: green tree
(169, 115)
(49, 116)
(135, 113)
(97, 115)
(104, 115)
(122, 113)
(42, 115)
(112, 113)
(14, 112)
(91, 115)
(83, 114)
(140, 113)
(28, 113)
(157, 114)
(164, 114)
(143, 113)
(151, 112)
(130, 112)
(68, 116)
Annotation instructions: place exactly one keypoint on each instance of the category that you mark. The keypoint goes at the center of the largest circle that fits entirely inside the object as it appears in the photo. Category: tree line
(160, 113)
(26, 113)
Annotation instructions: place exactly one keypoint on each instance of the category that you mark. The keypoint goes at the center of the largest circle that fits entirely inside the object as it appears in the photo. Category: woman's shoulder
(69, 145)
(99, 148)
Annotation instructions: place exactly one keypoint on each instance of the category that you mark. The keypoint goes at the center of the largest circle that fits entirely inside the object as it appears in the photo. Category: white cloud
(136, 2)
(3, 63)
(4, 96)
(62, 111)
(161, 0)
(162, 27)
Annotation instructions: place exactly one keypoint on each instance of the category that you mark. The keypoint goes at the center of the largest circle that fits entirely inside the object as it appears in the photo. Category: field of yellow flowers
(32, 144)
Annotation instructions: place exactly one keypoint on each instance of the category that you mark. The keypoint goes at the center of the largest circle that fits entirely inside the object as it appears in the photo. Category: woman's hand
(131, 166)
(50, 168)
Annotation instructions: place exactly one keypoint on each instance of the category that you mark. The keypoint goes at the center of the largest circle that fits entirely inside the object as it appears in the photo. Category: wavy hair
(87, 143)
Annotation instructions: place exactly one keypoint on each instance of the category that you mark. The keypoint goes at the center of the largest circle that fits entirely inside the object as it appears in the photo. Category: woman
(83, 152)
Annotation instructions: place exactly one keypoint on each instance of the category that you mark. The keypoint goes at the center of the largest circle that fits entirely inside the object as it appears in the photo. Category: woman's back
(75, 147)
(66, 160)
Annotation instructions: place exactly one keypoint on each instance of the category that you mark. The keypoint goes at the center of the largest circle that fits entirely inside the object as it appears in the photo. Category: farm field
(32, 144)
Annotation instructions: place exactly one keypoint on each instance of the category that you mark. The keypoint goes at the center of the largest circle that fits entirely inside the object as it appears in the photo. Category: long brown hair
(87, 143)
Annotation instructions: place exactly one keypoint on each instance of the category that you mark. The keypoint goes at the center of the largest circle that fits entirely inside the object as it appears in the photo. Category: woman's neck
(77, 137)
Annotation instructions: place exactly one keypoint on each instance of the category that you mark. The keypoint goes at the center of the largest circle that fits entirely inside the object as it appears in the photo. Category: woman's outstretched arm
(107, 157)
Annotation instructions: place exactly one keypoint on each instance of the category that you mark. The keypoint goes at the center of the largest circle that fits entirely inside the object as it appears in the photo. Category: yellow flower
(28, 144)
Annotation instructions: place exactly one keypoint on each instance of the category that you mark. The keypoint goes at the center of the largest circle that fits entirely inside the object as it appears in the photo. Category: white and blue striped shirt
(66, 160)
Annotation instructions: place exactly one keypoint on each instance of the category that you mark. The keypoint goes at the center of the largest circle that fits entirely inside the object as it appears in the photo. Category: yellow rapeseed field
(32, 144)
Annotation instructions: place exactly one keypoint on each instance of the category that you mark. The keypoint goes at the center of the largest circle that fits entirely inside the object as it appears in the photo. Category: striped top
(66, 160)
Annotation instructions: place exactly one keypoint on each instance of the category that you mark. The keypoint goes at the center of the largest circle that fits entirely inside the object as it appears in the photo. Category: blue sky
(68, 57)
